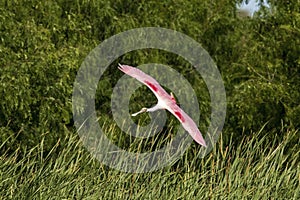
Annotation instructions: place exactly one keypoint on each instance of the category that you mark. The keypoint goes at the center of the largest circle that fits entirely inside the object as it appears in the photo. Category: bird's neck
(155, 108)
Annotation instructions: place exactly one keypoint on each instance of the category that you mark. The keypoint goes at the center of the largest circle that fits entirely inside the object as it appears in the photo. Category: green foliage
(43, 50)
(43, 43)
(36, 77)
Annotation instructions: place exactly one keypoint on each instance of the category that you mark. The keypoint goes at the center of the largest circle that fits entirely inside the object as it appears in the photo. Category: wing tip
(202, 142)
(199, 139)
(120, 67)
(123, 68)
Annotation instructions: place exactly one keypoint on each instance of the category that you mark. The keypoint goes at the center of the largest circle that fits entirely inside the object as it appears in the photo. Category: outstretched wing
(187, 122)
(150, 82)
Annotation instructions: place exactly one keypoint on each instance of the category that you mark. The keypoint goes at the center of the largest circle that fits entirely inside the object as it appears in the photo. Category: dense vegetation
(42, 45)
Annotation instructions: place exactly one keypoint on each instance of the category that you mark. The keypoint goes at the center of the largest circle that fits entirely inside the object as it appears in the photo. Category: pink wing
(187, 123)
(150, 82)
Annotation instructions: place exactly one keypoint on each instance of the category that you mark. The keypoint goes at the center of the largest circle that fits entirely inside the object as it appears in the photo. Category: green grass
(253, 169)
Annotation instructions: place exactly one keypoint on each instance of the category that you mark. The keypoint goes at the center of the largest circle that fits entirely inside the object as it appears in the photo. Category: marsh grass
(253, 169)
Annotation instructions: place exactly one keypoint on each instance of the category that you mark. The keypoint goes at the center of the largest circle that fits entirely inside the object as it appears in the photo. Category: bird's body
(165, 101)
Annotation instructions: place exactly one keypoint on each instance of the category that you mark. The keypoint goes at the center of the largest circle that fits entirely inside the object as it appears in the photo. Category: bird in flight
(165, 101)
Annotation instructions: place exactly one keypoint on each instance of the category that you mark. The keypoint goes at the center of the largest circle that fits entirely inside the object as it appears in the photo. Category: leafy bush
(43, 43)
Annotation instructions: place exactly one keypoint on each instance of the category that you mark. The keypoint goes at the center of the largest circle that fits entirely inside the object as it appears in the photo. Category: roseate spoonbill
(165, 101)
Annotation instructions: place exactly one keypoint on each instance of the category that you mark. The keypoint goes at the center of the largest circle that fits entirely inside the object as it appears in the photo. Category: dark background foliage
(43, 43)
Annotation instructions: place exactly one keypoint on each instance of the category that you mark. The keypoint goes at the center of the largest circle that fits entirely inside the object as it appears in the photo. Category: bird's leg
(141, 111)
